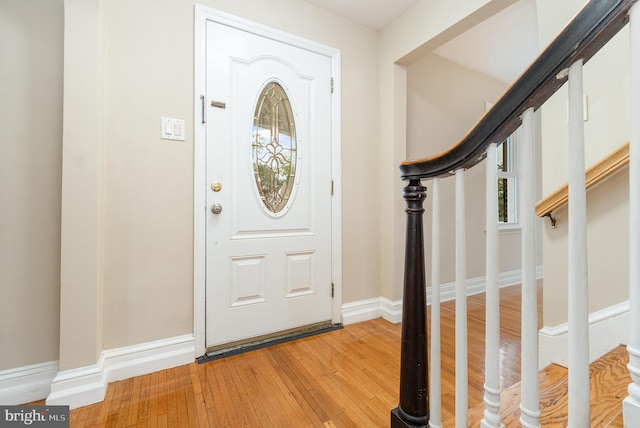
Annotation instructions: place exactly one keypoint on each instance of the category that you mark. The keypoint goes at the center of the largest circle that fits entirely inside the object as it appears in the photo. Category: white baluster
(435, 396)
(631, 406)
(492, 339)
(579, 415)
(462, 375)
(529, 406)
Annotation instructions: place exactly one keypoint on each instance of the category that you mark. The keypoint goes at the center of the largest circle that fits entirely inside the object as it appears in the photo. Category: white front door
(268, 156)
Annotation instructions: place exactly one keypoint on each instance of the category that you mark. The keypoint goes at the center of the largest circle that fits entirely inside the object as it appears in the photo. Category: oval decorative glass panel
(274, 147)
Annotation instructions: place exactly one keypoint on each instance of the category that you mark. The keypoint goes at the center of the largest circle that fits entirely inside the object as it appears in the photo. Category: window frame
(511, 175)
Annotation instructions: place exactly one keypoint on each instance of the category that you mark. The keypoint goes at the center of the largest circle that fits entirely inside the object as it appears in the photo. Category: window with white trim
(507, 183)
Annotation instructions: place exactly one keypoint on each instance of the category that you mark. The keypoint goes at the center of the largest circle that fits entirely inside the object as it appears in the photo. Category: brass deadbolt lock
(216, 186)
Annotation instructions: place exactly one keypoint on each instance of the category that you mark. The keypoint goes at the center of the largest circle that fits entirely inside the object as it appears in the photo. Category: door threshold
(254, 343)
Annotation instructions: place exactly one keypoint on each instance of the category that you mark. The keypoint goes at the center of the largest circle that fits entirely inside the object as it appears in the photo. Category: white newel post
(631, 406)
(435, 395)
(462, 370)
(492, 338)
(579, 412)
(530, 406)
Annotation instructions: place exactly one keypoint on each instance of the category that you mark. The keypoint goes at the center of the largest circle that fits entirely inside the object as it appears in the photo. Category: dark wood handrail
(590, 29)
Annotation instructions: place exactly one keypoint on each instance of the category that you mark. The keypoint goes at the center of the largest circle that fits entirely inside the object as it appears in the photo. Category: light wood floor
(346, 378)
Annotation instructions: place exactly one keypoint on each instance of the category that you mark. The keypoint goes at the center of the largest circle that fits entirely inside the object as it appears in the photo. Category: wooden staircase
(609, 380)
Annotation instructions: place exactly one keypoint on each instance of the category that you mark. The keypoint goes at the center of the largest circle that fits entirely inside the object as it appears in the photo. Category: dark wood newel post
(413, 409)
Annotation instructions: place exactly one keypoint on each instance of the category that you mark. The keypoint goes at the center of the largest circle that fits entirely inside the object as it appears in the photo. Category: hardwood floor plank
(92, 415)
(194, 374)
(268, 403)
(140, 418)
(609, 381)
(322, 403)
(220, 409)
(103, 413)
(122, 409)
(185, 400)
(201, 416)
(149, 409)
(134, 406)
(617, 422)
(345, 378)
(163, 421)
(172, 398)
(241, 409)
(79, 418)
(298, 393)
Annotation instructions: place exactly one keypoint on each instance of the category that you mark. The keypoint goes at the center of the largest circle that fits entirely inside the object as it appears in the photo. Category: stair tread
(609, 379)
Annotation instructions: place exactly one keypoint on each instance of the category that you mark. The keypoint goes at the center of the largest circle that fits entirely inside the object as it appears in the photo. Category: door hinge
(332, 290)
(331, 187)
(204, 112)
(332, 85)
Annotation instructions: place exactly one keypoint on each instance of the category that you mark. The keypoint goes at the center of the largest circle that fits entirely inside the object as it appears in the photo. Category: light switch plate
(171, 129)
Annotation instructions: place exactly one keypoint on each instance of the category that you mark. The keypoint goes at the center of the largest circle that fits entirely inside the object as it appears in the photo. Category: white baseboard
(368, 309)
(79, 387)
(88, 385)
(479, 285)
(391, 310)
(365, 310)
(361, 310)
(25, 384)
(608, 328)
(137, 360)
(448, 291)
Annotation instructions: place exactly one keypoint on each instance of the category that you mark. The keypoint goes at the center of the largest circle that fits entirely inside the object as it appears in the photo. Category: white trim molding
(479, 285)
(137, 360)
(88, 385)
(361, 310)
(391, 310)
(25, 384)
(608, 328)
(368, 309)
(365, 310)
(79, 387)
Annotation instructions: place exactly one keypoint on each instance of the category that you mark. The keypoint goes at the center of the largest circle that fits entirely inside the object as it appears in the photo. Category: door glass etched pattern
(274, 148)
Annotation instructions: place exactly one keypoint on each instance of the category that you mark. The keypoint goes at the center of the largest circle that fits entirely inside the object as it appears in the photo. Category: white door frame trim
(202, 15)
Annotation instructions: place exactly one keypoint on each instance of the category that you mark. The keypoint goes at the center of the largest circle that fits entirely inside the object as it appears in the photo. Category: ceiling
(375, 14)
(500, 47)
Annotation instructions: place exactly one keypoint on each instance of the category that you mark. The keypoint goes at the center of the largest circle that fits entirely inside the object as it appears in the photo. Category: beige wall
(31, 45)
(418, 31)
(148, 285)
(444, 100)
(82, 222)
(127, 240)
(606, 83)
(148, 219)
(129, 194)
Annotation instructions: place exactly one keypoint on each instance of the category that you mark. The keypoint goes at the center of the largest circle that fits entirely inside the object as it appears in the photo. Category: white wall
(31, 47)
(444, 100)
(606, 82)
